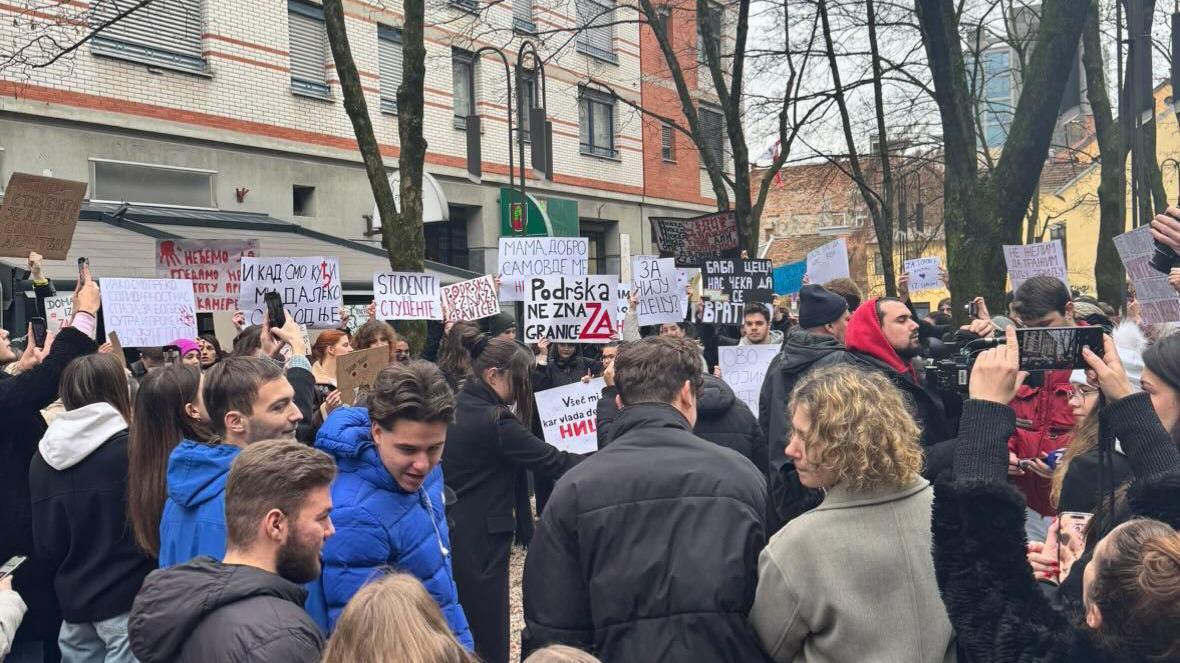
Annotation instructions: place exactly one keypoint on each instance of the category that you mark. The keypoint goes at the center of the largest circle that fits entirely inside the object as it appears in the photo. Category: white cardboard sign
(1029, 260)
(1158, 301)
(57, 311)
(743, 367)
(923, 274)
(571, 309)
(828, 262)
(149, 312)
(470, 300)
(525, 257)
(310, 288)
(407, 296)
(569, 415)
(658, 293)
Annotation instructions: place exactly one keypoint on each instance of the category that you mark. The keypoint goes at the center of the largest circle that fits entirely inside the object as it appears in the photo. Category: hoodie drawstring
(424, 500)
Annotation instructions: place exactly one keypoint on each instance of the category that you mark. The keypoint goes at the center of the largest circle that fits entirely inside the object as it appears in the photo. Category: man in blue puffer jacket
(388, 497)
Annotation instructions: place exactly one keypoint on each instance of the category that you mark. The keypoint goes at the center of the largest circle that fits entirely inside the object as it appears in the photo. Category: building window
(995, 91)
(596, 247)
(712, 21)
(668, 142)
(596, 120)
(465, 5)
(712, 123)
(308, 46)
(522, 16)
(147, 184)
(164, 34)
(596, 22)
(529, 96)
(446, 242)
(303, 200)
(463, 83)
(664, 21)
(389, 55)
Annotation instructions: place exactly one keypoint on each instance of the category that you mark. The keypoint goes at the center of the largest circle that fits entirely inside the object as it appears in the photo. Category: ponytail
(512, 359)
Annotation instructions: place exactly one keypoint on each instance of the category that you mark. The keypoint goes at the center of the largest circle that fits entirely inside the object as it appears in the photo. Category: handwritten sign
(1029, 260)
(149, 312)
(734, 283)
(357, 370)
(310, 288)
(1158, 301)
(470, 300)
(569, 415)
(213, 265)
(39, 214)
(788, 279)
(923, 274)
(407, 296)
(572, 309)
(623, 300)
(743, 367)
(57, 311)
(828, 262)
(693, 241)
(657, 289)
(524, 257)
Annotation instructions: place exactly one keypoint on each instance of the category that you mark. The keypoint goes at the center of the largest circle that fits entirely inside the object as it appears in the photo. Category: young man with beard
(248, 607)
(248, 400)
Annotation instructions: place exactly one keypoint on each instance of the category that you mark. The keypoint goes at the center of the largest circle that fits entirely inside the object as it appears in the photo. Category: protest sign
(569, 415)
(470, 300)
(743, 367)
(788, 279)
(57, 311)
(525, 257)
(149, 312)
(657, 290)
(828, 262)
(407, 296)
(571, 309)
(213, 265)
(734, 283)
(693, 241)
(1029, 260)
(310, 288)
(923, 274)
(623, 299)
(356, 371)
(1158, 301)
(39, 214)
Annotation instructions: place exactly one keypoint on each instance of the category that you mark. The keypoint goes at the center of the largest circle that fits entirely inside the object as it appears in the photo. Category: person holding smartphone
(12, 611)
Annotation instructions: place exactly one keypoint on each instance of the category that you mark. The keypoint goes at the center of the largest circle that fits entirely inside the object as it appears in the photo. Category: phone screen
(11, 565)
(274, 309)
(83, 263)
(39, 331)
(1057, 348)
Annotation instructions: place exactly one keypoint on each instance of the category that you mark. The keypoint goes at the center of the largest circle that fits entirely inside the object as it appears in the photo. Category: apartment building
(224, 118)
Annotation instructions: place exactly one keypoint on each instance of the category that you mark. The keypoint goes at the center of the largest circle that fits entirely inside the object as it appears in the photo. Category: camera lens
(1163, 259)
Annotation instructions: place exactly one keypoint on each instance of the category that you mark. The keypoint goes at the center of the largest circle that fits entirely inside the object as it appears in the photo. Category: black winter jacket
(78, 484)
(208, 611)
(998, 611)
(648, 550)
(21, 399)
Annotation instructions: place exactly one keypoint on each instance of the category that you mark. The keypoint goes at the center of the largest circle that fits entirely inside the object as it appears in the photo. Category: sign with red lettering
(572, 309)
(569, 414)
(407, 296)
(693, 241)
(470, 300)
(213, 265)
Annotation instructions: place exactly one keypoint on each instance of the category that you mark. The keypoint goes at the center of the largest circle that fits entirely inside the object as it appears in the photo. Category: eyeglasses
(1082, 390)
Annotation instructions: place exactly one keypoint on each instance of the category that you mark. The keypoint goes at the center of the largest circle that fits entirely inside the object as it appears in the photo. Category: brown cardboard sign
(39, 214)
(357, 370)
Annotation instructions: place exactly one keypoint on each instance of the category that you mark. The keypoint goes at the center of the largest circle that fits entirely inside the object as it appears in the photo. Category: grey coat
(853, 580)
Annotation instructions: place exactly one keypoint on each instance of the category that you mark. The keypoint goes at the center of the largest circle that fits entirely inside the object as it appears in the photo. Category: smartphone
(39, 331)
(1071, 536)
(972, 310)
(171, 355)
(83, 264)
(1057, 348)
(274, 309)
(11, 565)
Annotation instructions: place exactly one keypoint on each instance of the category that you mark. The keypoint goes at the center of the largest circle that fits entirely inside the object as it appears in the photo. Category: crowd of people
(200, 505)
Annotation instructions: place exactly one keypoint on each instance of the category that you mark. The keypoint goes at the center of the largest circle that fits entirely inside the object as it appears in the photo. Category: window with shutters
(164, 34)
(522, 16)
(712, 133)
(597, 31)
(308, 40)
(463, 83)
(151, 184)
(712, 21)
(389, 55)
(528, 89)
(668, 142)
(596, 121)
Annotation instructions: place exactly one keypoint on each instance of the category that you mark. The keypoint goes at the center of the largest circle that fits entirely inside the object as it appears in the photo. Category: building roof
(785, 250)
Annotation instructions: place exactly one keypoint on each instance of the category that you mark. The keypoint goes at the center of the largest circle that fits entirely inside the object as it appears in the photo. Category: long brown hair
(507, 356)
(159, 423)
(96, 378)
(394, 619)
(1137, 590)
(454, 357)
(1084, 438)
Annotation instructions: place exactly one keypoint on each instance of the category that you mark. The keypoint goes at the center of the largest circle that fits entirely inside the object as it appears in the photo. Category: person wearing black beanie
(819, 306)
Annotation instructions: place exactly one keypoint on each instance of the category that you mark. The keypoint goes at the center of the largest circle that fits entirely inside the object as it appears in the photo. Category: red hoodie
(864, 335)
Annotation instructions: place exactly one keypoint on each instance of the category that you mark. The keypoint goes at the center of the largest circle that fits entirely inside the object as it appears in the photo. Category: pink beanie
(186, 346)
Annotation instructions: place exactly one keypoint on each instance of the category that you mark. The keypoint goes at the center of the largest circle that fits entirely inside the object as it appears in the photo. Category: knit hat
(818, 306)
(500, 323)
(186, 346)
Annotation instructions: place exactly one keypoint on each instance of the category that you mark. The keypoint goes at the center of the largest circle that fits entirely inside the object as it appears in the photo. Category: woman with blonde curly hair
(853, 579)
(394, 620)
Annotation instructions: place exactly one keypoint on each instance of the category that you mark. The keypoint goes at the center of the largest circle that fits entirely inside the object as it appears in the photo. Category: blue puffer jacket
(378, 525)
(193, 523)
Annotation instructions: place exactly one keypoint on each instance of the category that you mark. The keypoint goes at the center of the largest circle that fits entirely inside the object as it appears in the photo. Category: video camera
(948, 366)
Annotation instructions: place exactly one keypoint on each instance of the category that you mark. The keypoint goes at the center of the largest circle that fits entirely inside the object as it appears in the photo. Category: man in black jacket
(250, 606)
(823, 317)
(648, 549)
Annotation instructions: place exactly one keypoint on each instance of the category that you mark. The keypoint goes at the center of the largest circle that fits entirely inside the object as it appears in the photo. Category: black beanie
(818, 306)
(500, 323)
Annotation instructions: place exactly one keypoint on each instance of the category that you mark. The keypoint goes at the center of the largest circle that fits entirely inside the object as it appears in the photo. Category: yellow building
(927, 248)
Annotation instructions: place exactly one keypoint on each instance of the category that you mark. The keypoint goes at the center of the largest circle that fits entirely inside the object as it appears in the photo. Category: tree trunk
(401, 233)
